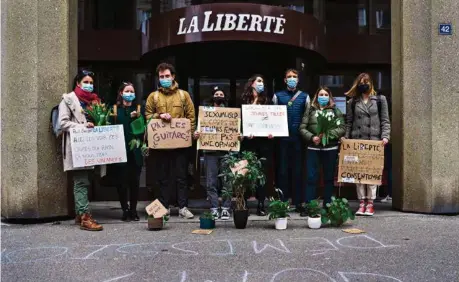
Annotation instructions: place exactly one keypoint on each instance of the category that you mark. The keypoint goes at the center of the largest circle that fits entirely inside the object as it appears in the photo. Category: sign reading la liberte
(230, 22)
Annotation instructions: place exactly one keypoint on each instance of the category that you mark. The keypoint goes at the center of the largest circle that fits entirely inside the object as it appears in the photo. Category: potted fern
(337, 212)
(207, 221)
(314, 214)
(241, 173)
(156, 223)
(279, 211)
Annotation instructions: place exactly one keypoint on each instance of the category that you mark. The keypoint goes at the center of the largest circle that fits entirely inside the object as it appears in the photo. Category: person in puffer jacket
(319, 155)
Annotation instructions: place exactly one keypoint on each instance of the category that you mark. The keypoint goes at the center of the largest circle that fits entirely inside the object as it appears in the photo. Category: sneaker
(215, 213)
(370, 210)
(225, 214)
(361, 210)
(168, 212)
(387, 199)
(184, 212)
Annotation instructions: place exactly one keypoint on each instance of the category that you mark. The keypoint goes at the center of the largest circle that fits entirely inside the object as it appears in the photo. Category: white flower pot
(314, 223)
(281, 223)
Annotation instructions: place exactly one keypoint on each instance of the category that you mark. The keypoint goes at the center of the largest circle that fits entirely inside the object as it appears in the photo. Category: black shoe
(261, 212)
(125, 216)
(303, 213)
(134, 216)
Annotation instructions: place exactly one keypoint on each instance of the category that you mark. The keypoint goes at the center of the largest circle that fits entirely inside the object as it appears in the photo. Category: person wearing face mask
(367, 118)
(167, 103)
(318, 155)
(72, 115)
(254, 94)
(212, 162)
(128, 174)
(290, 149)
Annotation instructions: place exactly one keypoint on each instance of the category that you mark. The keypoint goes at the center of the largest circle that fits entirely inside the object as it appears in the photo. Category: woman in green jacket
(128, 173)
(320, 156)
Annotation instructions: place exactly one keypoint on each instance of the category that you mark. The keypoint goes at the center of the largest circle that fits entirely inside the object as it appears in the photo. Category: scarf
(86, 97)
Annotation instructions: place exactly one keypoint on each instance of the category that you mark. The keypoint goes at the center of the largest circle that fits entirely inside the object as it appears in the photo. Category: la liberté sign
(230, 22)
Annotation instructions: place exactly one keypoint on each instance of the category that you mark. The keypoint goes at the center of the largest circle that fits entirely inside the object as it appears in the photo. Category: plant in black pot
(337, 212)
(314, 214)
(241, 173)
(156, 223)
(207, 221)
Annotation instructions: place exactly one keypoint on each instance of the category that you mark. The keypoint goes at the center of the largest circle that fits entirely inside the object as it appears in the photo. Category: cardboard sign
(219, 128)
(156, 209)
(361, 162)
(202, 231)
(169, 135)
(262, 120)
(240, 167)
(98, 146)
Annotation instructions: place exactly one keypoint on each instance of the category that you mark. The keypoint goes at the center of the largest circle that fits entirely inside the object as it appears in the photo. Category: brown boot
(87, 223)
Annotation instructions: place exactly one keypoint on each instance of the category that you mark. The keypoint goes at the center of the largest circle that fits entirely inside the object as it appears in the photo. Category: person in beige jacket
(72, 116)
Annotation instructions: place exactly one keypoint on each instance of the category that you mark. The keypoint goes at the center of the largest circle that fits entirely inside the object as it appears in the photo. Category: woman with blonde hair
(321, 155)
(367, 118)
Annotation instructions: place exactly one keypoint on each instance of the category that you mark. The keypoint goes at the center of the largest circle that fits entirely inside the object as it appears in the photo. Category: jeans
(128, 180)
(388, 167)
(290, 160)
(80, 191)
(212, 168)
(327, 161)
(174, 162)
(365, 191)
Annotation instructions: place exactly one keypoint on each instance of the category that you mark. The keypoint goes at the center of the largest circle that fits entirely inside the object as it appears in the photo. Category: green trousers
(80, 191)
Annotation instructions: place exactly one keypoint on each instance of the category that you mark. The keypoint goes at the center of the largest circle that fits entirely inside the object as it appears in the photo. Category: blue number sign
(445, 29)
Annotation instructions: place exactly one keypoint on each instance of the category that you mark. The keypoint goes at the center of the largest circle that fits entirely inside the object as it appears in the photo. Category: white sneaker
(184, 212)
(225, 214)
(387, 199)
(215, 213)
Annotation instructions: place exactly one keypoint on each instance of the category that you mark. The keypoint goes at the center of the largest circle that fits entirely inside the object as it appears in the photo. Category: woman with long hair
(254, 94)
(72, 114)
(367, 118)
(320, 155)
(128, 173)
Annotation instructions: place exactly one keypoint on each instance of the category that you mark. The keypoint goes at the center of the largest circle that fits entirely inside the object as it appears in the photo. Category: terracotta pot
(155, 223)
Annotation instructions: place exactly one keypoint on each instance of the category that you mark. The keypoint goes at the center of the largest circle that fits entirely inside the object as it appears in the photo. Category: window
(332, 80)
(169, 5)
(383, 19)
(363, 17)
(114, 14)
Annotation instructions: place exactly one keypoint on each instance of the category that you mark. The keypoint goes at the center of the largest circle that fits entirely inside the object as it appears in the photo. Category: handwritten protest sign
(98, 146)
(169, 135)
(262, 120)
(219, 128)
(361, 161)
(156, 209)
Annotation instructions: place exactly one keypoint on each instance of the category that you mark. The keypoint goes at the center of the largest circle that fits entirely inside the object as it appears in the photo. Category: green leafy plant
(337, 212)
(207, 215)
(313, 208)
(241, 172)
(99, 113)
(278, 208)
(137, 142)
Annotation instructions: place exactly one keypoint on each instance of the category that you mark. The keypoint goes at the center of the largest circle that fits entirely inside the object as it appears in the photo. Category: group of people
(367, 118)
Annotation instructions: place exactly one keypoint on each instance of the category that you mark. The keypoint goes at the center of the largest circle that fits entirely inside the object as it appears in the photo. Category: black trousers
(128, 183)
(172, 164)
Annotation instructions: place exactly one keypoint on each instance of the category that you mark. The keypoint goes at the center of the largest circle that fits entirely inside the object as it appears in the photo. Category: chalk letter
(258, 251)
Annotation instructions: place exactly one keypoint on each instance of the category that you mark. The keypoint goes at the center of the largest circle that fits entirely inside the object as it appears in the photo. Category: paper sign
(98, 146)
(240, 167)
(156, 209)
(219, 128)
(262, 120)
(361, 162)
(169, 135)
(202, 231)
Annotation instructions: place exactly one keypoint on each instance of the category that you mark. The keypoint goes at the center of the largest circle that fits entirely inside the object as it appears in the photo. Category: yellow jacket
(174, 101)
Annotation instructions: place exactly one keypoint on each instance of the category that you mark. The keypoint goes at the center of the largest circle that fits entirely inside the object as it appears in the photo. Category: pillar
(425, 83)
(38, 63)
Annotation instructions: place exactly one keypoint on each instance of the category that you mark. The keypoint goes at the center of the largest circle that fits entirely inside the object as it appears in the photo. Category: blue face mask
(292, 82)
(323, 100)
(259, 87)
(165, 82)
(87, 87)
(128, 96)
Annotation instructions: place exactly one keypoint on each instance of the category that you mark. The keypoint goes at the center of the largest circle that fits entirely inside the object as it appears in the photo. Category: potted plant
(157, 223)
(279, 210)
(337, 212)
(314, 214)
(241, 173)
(207, 221)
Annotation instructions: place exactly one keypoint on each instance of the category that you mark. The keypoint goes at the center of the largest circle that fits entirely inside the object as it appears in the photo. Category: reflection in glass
(362, 17)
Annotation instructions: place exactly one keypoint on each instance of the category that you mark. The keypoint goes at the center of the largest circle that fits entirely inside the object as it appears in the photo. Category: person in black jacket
(263, 147)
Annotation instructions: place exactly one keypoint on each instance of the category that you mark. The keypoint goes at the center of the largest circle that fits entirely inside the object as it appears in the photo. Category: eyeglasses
(85, 72)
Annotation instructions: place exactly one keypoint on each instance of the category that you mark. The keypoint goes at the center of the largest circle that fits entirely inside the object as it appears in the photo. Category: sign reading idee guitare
(229, 22)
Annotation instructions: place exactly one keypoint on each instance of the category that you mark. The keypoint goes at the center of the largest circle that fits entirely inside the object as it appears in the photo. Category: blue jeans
(316, 160)
(290, 160)
(212, 167)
